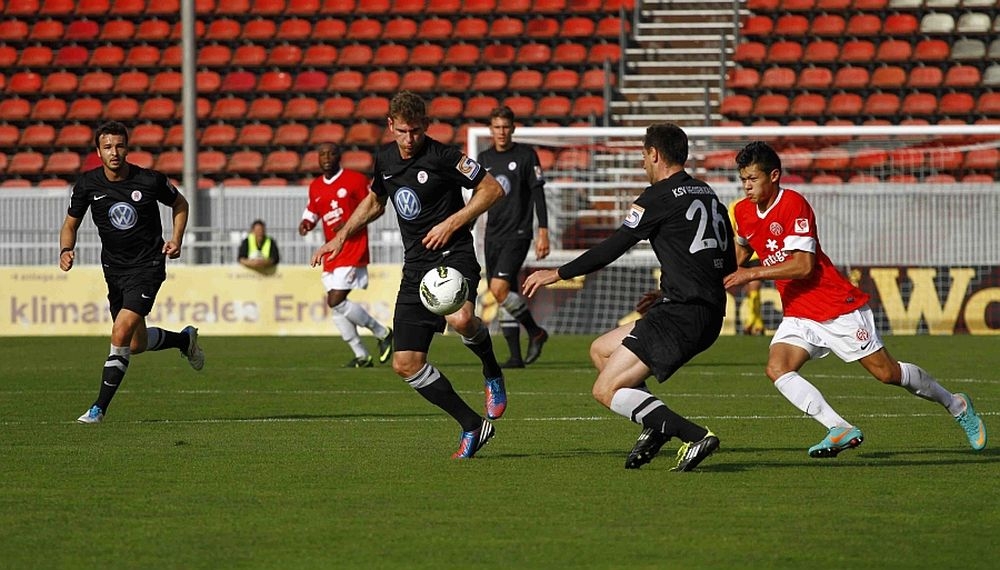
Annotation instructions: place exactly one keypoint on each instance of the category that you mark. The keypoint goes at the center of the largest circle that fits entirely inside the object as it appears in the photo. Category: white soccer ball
(443, 290)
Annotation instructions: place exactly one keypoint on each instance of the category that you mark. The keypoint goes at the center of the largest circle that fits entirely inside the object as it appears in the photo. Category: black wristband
(65, 249)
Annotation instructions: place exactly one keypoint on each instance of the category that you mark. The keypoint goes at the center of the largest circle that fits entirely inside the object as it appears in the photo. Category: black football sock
(672, 424)
(160, 339)
(114, 372)
(482, 346)
(512, 334)
(518, 309)
(436, 389)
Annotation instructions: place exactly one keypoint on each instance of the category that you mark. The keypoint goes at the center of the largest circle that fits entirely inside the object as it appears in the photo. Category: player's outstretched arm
(369, 210)
(486, 193)
(539, 279)
(67, 242)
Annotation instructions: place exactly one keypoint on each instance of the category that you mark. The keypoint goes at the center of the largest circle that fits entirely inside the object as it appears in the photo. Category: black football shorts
(671, 334)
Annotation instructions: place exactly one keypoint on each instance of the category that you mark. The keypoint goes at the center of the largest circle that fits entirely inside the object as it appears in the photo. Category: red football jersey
(790, 225)
(333, 202)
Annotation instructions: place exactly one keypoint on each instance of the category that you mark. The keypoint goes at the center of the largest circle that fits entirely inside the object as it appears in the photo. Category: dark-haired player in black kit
(424, 179)
(691, 236)
(508, 232)
(124, 203)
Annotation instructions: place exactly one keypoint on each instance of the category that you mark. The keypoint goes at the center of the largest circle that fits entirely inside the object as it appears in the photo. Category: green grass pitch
(275, 457)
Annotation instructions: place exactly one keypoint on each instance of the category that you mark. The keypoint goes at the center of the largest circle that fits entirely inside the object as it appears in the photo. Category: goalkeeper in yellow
(755, 321)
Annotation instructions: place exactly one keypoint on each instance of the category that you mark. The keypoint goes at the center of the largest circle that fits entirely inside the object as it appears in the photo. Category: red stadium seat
(569, 53)
(461, 54)
(549, 6)
(62, 162)
(435, 29)
(470, 28)
(418, 80)
(525, 80)
(578, 27)
(426, 55)
(210, 81)
(329, 29)
(152, 30)
(299, 109)
(561, 80)
(146, 134)
(38, 135)
(956, 104)
(400, 29)
(868, 158)
(60, 82)
(85, 109)
(888, 77)
(214, 55)
(919, 104)
(864, 24)
(828, 25)
(771, 104)
(26, 163)
(317, 55)
(82, 31)
(931, 49)
(121, 109)
(881, 104)
(454, 80)
(533, 54)
(604, 52)
(988, 104)
(499, 54)
(24, 82)
(480, 106)
(14, 109)
(364, 29)
(355, 55)
(489, 80)
(445, 107)
(281, 162)
(13, 31)
(814, 78)
(291, 134)
(239, 82)
(223, 30)
(107, 56)
(211, 161)
(171, 56)
(844, 105)
(441, 132)
(8, 138)
(76, 135)
(218, 134)
(553, 106)
(757, 26)
(390, 54)
(505, 27)
(232, 7)
(118, 30)
(778, 78)
(35, 56)
(850, 77)
(612, 27)
(372, 107)
(311, 81)
(588, 105)
(50, 109)
(92, 7)
(925, 77)
(22, 7)
(363, 134)
(229, 109)
(449, 7)
(785, 52)
(595, 79)
(479, 6)
(522, 105)
(284, 55)
(791, 25)
(962, 77)
(831, 158)
(249, 55)
(46, 31)
(293, 30)
(900, 24)
(381, 81)
(267, 108)
(857, 51)
(342, 7)
(76, 56)
(742, 78)
(255, 134)
(749, 53)
(302, 7)
(736, 106)
(325, 132)
(346, 81)
(892, 50)
(374, 7)
(982, 159)
(359, 160)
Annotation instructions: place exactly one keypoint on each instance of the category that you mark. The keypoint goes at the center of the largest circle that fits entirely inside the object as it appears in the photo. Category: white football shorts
(345, 278)
(851, 336)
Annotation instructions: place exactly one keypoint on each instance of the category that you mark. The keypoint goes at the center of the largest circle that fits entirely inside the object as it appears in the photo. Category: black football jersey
(425, 190)
(519, 173)
(691, 235)
(127, 216)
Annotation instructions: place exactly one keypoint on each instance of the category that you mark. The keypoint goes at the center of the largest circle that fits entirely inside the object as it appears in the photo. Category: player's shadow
(857, 459)
(374, 417)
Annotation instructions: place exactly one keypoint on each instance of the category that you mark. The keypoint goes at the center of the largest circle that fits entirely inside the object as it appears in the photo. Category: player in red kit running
(823, 311)
(333, 196)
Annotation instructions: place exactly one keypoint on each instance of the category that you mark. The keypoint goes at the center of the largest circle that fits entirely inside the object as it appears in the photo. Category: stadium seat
(76, 56)
(561, 80)
(736, 106)
(400, 29)
(152, 30)
(8, 137)
(13, 30)
(208, 81)
(82, 30)
(555, 106)
(973, 23)
(757, 26)
(569, 53)
(284, 55)
(46, 31)
(85, 109)
(291, 134)
(146, 134)
(863, 24)
(267, 108)
(325, 132)
(785, 52)
(26, 163)
(35, 56)
(828, 25)
(245, 162)
(604, 52)
(937, 23)
(489, 80)
(821, 51)
(329, 29)
(749, 53)
(426, 55)
(480, 106)
(355, 55)
(364, 29)
(390, 54)
(533, 54)
(92, 7)
(232, 7)
(931, 49)
(346, 81)
(587, 106)
(281, 162)
(857, 51)
(612, 27)
(158, 109)
(293, 30)
(900, 24)
(359, 160)
(123, 108)
(919, 103)
(791, 25)
(310, 81)
(844, 105)
(939, 178)
(249, 55)
(214, 55)
(522, 105)
(975, 159)
(372, 107)
(505, 28)
(363, 134)
(892, 51)
(267, 7)
(60, 82)
(441, 132)
(435, 28)
(445, 107)
(991, 77)
(814, 78)
(470, 28)
(850, 77)
(770, 105)
(924, 77)
(237, 181)
(254, 134)
(211, 161)
(831, 158)
(881, 104)
(341, 7)
(174, 136)
(177, 32)
(956, 104)
(498, 54)
(549, 6)
(24, 82)
(218, 134)
(119, 30)
(131, 82)
(454, 80)
(223, 30)
(299, 109)
(795, 158)
(968, 49)
(50, 109)
(76, 135)
(418, 80)
(578, 27)
(381, 81)
(170, 56)
(238, 82)
(868, 158)
(525, 80)
(319, 55)
(594, 79)
(962, 77)
(888, 77)
(62, 162)
(229, 109)
(373, 7)
(38, 135)
(777, 78)
(461, 54)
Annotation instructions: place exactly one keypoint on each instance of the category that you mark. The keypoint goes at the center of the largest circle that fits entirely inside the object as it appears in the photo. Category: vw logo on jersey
(123, 216)
(504, 183)
(407, 203)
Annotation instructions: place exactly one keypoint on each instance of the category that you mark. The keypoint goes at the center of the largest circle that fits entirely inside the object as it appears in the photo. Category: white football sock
(808, 398)
(919, 383)
(350, 335)
(360, 317)
(634, 404)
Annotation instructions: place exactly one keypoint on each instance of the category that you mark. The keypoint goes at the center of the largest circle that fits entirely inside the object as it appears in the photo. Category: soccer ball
(443, 290)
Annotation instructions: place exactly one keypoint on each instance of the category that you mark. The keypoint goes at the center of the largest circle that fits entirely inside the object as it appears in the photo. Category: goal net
(894, 200)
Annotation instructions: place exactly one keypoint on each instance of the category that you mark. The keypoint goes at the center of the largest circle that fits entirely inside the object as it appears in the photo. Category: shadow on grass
(881, 459)
(373, 417)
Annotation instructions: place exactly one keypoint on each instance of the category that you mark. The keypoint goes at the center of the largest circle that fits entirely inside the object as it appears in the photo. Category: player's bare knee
(775, 371)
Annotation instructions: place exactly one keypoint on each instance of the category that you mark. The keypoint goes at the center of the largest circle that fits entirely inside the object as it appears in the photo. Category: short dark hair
(258, 223)
(502, 112)
(670, 140)
(761, 154)
(408, 107)
(110, 128)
